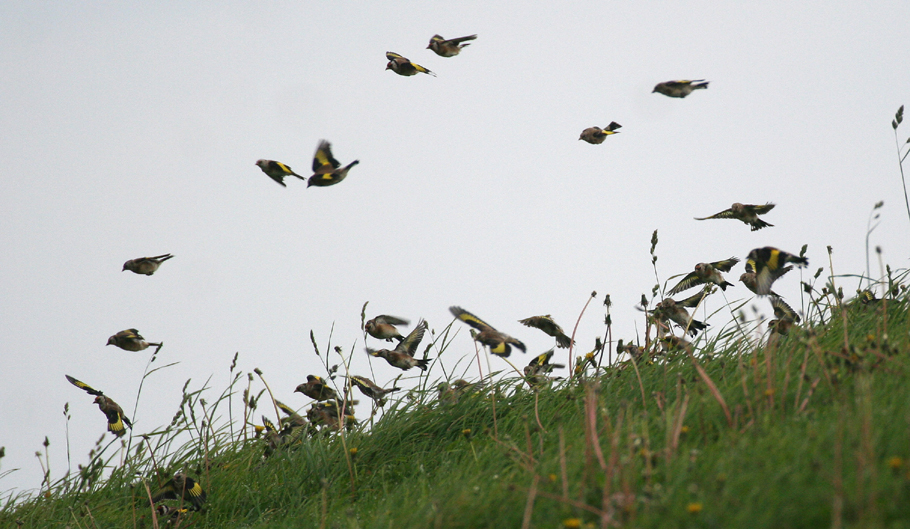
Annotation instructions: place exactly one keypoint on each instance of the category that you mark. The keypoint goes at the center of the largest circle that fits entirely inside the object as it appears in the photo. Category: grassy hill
(811, 429)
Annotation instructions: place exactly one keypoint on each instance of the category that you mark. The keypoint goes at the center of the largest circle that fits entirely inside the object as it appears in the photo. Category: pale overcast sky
(132, 129)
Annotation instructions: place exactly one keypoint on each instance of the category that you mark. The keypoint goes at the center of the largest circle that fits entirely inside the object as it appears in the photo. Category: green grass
(816, 433)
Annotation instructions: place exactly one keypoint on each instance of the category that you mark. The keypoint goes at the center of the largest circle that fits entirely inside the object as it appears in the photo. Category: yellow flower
(571, 523)
(895, 463)
(353, 451)
(693, 508)
(684, 429)
(552, 478)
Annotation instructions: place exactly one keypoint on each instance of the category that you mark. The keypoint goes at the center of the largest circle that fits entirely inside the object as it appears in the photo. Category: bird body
(402, 356)
(327, 171)
(329, 414)
(403, 66)
(383, 327)
(706, 273)
(111, 410)
(537, 370)
(448, 47)
(747, 213)
(498, 342)
(316, 388)
(145, 265)
(768, 265)
(550, 327)
(368, 388)
(597, 135)
(182, 487)
(130, 340)
(680, 88)
(277, 170)
(668, 310)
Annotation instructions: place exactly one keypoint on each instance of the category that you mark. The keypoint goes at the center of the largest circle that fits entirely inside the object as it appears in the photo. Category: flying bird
(537, 370)
(668, 310)
(498, 342)
(316, 388)
(597, 135)
(447, 47)
(327, 171)
(748, 278)
(747, 213)
(182, 486)
(706, 273)
(368, 388)
(679, 88)
(402, 356)
(277, 170)
(548, 326)
(112, 411)
(145, 265)
(403, 66)
(130, 340)
(768, 265)
(786, 316)
(383, 327)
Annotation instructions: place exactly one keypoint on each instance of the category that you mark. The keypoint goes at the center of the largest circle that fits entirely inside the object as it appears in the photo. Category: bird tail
(563, 341)
(700, 84)
(759, 224)
(725, 284)
(423, 363)
(352, 164)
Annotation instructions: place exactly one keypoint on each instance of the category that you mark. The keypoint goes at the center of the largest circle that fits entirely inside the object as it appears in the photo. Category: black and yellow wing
(83, 386)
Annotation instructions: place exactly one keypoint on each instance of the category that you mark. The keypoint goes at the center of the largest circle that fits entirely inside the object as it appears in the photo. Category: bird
(748, 277)
(327, 171)
(634, 351)
(110, 409)
(785, 315)
(747, 213)
(668, 310)
(706, 273)
(130, 340)
(328, 414)
(169, 515)
(316, 388)
(293, 419)
(693, 300)
(680, 88)
(145, 265)
(450, 393)
(403, 66)
(402, 356)
(548, 326)
(537, 370)
(368, 388)
(383, 327)
(277, 170)
(597, 135)
(768, 265)
(498, 342)
(182, 487)
(447, 47)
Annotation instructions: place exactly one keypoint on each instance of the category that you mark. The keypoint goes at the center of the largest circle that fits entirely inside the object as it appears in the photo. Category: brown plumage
(111, 410)
(680, 88)
(597, 135)
(498, 342)
(145, 265)
(316, 388)
(448, 47)
(705, 273)
(130, 340)
(403, 66)
(402, 356)
(747, 213)
(550, 327)
(668, 310)
(383, 327)
(368, 388)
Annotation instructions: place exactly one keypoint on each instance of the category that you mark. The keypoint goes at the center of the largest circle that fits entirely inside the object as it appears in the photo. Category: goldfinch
(747, 213)
(634, 351)
(130, 340)
(316, 388)
(145, 265)
(537, 370)
(748, 278)
(383, 327)
(182, 486)
(451, 393)
(293, 419)
(368, 388)
(692, 301)
(785, 315)
(499, 343)
(169, 515)
(679, 88)
(402, 356)
(448, 47)
(668, 310)
(550, 327)
(111, 410)
(706, 273)
(328, 414)
(597, 135)
(327, 171)
(768, 265)
(277, 170)
(403, 66)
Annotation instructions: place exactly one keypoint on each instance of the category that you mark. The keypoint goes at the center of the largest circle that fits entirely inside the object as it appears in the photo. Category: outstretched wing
(725, 214)
(687, 282)
(470, 319)
(761, 210)
(725, 265)
(409, 345)
(83, 386)
(323, 161)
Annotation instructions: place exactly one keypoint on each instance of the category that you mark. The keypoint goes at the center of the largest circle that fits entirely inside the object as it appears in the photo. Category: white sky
(132, 129)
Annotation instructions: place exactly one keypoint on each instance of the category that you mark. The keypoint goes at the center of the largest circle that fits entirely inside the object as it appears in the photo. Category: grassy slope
(816, 436)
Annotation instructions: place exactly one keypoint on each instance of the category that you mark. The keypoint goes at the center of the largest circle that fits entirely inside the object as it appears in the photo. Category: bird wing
(782, 311)
(83, 386)
(391, 320)
(392, 56)
(323, 161)
(470, 319)
(459, 40)
(285, 408)
(761, 210)
(542, 359)
(725, 214)
(613, 126)
(409, 345)
(687, 282)
(544, 323)
(693, 301)
(726, 265)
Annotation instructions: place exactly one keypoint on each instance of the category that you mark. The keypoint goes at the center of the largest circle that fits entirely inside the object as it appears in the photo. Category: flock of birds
(764, 266)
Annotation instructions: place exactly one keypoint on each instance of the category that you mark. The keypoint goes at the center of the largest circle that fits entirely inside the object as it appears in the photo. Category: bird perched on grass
(145, 265)
(597, 135)
(548, 326)
(368, 388)
(680, 88)
(403, 66)
(785, 315)
(316, 388)
(450, 393)
(182, 486)
(327, 171)
(706, 273)
(537, 370)
(634, 351)
(498, 342)
(130, 340)
(402, 356)
(277, 170)
(747, 213)
(668, 310)
(383, 327)
(768, 265)
(169, 515)
(329, 414)
(110, 409)
(447, 47)
(293, 419)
